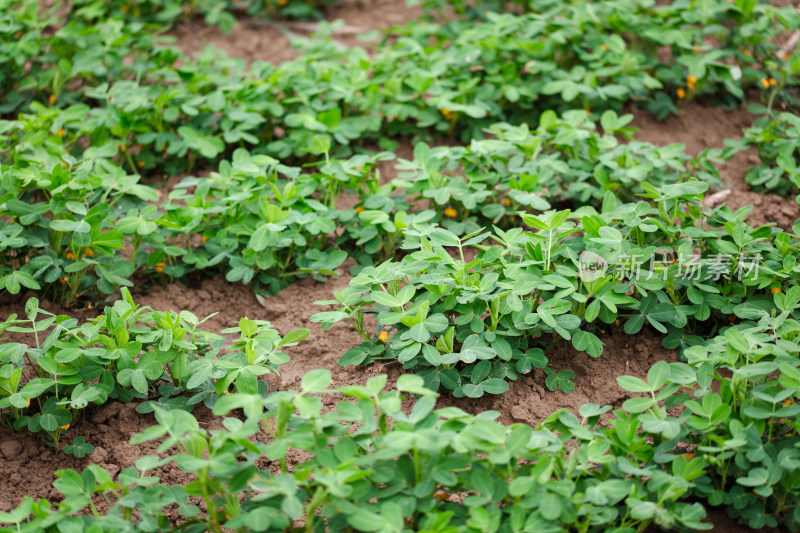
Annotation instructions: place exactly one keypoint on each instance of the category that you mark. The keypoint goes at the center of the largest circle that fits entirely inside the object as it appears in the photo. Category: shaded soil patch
(258, 39)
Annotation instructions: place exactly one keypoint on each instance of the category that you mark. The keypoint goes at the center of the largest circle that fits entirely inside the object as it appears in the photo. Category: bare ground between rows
(262, 40)
(699, 127)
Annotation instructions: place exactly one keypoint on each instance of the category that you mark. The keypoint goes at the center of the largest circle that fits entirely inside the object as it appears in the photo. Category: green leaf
(587, 342)
(443, 237)
(316, 380)
(207, 145)
(494, 386)
(633, 384)
(320, 144)
(79, 448)
(294, 336)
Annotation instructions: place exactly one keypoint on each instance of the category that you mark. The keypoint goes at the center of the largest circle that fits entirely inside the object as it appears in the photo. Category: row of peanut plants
(129, 352)
(258, 221)
(162, 117)
(372, 465)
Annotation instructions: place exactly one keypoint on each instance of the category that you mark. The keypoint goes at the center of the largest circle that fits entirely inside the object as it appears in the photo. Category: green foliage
(372, 467)
(124, 354)
(680, 49)
(564, 159)
(777, 141)
(590, 235)
(218, 13)
(469, 325)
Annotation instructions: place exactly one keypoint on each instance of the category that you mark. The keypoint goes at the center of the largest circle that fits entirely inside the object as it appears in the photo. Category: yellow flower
(765, 83)
(605, 48)
(29, 403)
(359, 209)
(89, 252)
(775, 291)
(691, 81)
(680, 92)
(160, 267)
(205, 239)
(60, 133)
(696, 48)
(70, 256)
(64, 427)
(787, 403)
(52, 99)
(447, 114)
(450, 212)
(506, 201)
(226, 392)
(773, 81)
(688, 456)
(383, 336)
(140, 164)
(746, 52)
(283, 2)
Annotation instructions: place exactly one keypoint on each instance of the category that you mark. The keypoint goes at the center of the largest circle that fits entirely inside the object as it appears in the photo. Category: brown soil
(257, 39)
(700, 127)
